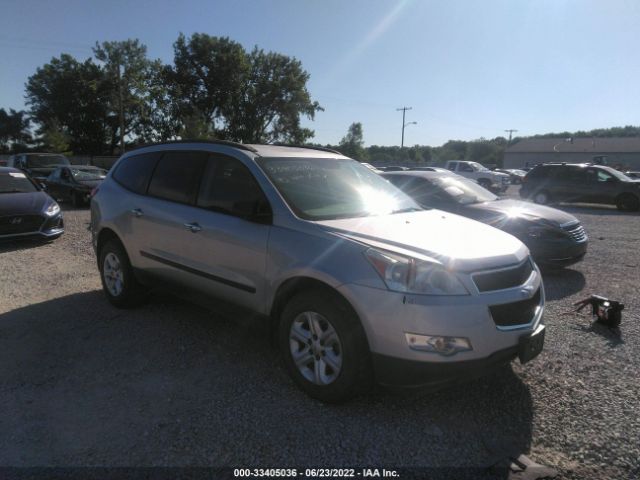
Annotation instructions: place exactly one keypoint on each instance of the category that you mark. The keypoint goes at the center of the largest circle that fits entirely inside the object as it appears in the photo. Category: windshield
(615, 173)
(81, 174)
(38, 161)
(15, 182)
(328, 188)
(463, 191)
(477, 167)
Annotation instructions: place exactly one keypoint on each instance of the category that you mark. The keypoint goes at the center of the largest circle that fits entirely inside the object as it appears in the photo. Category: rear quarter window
(134, 172)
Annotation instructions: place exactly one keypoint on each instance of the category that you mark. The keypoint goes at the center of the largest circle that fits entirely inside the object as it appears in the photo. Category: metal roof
(594, 145)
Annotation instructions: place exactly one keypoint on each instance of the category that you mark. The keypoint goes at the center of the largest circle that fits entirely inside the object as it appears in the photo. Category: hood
(32, 203)
(90, 183)
(458, 242)
(499, 210)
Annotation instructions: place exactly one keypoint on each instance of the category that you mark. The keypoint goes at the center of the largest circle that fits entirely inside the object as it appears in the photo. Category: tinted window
(177, 176)
(229, 187)
(576, 174)
(134, 172)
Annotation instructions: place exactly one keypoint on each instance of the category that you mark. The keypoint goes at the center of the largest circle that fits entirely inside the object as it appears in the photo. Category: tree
(74, 96)
(256, 97)
(352, 144)
(14, 129)
(129, 75)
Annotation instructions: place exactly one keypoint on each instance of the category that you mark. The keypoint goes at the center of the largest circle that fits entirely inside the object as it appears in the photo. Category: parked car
(393, 168)
(494, 181)
(357, 281)
(25, 209)
(74, 183)
(428, 169)
(588, 183)
(515, 175)
(555, 238)
(371, 167)
(38, 165)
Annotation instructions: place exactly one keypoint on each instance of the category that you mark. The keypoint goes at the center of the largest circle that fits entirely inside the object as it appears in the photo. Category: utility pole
(404, 110)
(510, 133)
(121, 111)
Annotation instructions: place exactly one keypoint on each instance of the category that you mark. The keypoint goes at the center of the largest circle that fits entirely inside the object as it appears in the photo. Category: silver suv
(359, 283)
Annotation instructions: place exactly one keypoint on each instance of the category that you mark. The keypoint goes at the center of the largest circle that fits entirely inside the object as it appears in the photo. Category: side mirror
(43, 186)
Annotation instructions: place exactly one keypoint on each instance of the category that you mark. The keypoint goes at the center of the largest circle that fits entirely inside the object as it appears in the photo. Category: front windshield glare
(15, 182)
(464, 191)
(88, 174)
(329, 188)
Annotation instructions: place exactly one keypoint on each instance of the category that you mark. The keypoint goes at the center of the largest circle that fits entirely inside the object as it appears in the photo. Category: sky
(468, 69)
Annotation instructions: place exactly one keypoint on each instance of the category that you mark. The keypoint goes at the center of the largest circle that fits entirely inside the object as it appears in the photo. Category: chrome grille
(504, 278)
(16, 224)
(576, 232)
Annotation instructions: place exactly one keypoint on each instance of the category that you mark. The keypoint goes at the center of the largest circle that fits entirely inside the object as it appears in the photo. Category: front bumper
(50, 228)
(394, 372)
(387, 316)
(557, 253)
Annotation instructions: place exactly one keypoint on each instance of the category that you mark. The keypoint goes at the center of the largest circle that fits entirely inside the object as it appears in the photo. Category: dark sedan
(74, 183)
(554, 237)
(26, 210)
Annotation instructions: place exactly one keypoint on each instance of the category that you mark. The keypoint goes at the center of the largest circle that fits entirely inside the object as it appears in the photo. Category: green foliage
(55, 139)
(14, 130)
(352, 144)
(75, 96)
(255, 97)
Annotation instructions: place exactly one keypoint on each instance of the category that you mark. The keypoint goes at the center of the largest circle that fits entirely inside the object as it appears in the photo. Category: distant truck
(494, 181)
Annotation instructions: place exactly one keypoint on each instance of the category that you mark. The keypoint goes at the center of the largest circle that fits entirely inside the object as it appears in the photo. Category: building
(622, 151)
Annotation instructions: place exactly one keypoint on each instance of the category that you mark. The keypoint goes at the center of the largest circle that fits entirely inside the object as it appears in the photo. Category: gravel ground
(173, 384)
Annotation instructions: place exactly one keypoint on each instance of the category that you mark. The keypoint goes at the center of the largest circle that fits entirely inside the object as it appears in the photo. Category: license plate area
(530, 346)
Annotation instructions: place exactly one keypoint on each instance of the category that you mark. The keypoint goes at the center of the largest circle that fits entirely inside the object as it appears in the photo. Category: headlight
(408, 275)
(52, 210)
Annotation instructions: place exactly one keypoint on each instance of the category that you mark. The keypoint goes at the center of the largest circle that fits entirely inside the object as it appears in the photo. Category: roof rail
(228, 143)
(310, 147)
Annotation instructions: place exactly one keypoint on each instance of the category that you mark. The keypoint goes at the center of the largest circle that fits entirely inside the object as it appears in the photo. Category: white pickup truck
(494, 181)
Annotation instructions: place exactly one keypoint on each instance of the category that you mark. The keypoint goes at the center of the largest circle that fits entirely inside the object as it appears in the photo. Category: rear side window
(229, 187)
(177, 176)
(134, 172)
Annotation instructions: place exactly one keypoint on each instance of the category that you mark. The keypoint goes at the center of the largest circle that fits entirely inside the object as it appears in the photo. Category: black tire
(627, 202)
(355, 376)
(542, 197)
(132, 293)
(484, 183)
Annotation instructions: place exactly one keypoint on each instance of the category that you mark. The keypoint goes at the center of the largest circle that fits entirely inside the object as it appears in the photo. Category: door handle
(137, 212)
(193, 227)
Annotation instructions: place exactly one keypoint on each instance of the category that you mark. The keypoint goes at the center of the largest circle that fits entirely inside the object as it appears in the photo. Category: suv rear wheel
(627, 202)
(324, 347)
(118, 281)
(542, 197)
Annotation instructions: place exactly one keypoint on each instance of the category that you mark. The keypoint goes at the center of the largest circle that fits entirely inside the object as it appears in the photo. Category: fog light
(437, 344)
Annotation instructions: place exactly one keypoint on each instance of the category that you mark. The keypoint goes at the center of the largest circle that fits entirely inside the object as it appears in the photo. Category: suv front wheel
(542, 197)
(627, 202)
(324, 347)
(118, 281)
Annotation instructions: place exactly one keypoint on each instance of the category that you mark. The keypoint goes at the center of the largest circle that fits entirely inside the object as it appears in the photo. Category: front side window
(329, 188)
(177, 176)
(229, 187)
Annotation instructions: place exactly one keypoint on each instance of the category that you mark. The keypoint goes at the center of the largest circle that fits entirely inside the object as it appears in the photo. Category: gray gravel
(173, 384)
